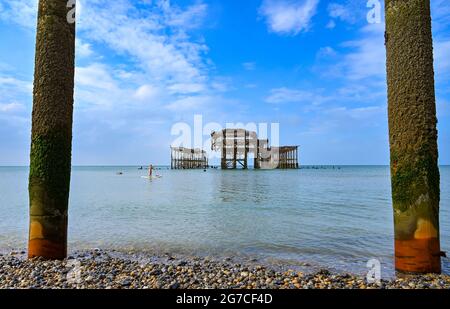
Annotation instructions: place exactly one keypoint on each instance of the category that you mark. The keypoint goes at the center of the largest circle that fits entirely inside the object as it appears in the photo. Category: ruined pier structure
(186, 158)
(236, 145)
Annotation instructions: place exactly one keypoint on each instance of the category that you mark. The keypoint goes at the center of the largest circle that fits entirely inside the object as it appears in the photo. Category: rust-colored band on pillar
(46, 249)
(418, 256)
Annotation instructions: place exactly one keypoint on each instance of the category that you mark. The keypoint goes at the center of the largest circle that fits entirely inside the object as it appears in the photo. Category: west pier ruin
(186, 158)
(236, 145)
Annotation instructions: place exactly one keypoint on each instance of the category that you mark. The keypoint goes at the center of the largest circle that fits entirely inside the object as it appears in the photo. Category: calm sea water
(338, 218)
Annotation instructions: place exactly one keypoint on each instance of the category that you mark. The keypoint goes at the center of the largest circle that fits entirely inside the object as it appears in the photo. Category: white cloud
(163, 61)
(286, 95)
(189, 18)
(15, 96)
(348, 11)
(83, 49)
(190, 103)
(95, 76)
(331, 24)
(147, 92)
(11, 107)
(442, 59)
(365, 58)
(346, 120)
(21, 12)
(288, 16)
(155, 38)
(325, 52)
(358, 113)
(184, 88)
(97, 86)
(340, 11)
(164, 66)
(249, 66)
(368, 58)
(362, 59)
(9, 82)
(220, 86)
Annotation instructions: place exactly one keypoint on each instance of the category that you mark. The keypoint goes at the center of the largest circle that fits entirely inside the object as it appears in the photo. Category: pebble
(110, 270)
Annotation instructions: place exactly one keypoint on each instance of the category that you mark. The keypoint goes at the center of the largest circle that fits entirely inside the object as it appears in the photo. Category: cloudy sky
(315, 67)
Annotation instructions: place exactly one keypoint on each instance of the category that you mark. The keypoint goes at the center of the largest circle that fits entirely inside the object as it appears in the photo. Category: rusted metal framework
(286, 157)
(186, 158)
(262, 154)
(236, 145)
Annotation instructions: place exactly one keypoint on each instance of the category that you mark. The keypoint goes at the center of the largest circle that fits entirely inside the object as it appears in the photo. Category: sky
(315, 67)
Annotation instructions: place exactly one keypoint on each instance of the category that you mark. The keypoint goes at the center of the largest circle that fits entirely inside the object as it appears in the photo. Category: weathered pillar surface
(413, 135)
(51, 141)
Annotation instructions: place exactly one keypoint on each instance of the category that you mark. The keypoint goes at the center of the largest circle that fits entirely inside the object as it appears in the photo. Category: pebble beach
(100, 269)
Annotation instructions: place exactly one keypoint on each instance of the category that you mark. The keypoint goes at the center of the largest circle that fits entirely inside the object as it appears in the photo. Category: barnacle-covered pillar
(413, 136)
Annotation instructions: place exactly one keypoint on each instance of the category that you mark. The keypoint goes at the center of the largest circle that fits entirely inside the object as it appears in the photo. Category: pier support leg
(51, 137)
(413, 136)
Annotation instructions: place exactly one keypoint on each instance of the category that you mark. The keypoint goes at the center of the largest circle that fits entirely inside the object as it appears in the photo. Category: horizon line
(168, 165)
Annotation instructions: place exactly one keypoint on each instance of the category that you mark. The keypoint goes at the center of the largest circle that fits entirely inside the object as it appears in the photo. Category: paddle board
(153, 177)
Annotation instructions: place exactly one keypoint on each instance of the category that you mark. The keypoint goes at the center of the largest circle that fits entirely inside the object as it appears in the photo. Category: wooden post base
(418, 256)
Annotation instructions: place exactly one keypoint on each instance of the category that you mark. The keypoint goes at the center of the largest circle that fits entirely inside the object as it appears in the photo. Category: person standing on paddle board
(150, 171)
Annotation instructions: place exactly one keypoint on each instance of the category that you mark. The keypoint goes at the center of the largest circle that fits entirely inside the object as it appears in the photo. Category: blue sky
(315, 67)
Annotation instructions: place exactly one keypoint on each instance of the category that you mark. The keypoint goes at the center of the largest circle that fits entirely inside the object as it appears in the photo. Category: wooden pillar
(413, 136)
(256, 152)
(285, 159)
(51, 133)
(246, 150)
(288, 156)
(290, 159)
(224, 149)
(293, 157)
(288, 165)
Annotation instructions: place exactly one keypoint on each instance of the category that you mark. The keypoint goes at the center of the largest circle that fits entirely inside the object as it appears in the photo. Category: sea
(335, 217)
